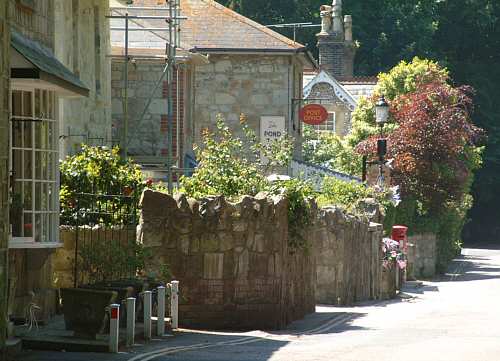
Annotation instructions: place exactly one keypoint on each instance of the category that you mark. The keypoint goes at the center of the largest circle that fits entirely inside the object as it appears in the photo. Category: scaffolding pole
(173, 19)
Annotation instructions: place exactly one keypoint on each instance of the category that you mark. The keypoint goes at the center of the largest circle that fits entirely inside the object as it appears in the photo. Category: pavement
(453, 318)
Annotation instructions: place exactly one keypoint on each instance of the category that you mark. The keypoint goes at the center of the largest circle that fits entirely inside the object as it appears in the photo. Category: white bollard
(160, 324)
(174, 304)
(130, 321)
(147, 315)
(114, 328)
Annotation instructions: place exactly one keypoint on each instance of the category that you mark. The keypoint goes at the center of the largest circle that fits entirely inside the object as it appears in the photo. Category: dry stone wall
(348, 257)
(236, 267)
(233, 260)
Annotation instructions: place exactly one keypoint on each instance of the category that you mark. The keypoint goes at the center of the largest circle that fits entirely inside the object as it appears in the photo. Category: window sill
(34, 245)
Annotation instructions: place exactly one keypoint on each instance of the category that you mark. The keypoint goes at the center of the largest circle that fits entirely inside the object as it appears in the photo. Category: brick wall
(4, 153)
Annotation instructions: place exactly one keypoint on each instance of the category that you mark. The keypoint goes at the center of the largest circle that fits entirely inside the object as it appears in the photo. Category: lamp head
(381, 111)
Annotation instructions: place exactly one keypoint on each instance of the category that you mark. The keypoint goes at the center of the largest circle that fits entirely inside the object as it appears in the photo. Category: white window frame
(52, 239)
(325, 127)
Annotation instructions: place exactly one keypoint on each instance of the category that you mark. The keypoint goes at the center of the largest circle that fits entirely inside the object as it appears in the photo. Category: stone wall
(254, 85)
(233, 260)
(4, 162)
(348, 256)
(31, 281)
(149, 137)
(236, 267)
(82, 43)
(422, 256)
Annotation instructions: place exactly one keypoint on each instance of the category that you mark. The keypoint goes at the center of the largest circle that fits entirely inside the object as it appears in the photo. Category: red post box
(400, 234)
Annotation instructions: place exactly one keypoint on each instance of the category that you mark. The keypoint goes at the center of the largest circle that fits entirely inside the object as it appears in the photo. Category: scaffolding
(171, 15)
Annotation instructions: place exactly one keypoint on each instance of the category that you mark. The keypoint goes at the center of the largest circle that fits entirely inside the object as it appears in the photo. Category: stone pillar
(335, 43)
(4, 161)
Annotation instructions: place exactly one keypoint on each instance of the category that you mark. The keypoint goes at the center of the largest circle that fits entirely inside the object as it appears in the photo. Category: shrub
(89, 177)
(300, 195)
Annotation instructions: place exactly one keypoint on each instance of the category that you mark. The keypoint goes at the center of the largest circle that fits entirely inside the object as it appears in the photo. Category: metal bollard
(160, 324)
(174, 304)
(147, 315)
(130, 321)
(114, 328)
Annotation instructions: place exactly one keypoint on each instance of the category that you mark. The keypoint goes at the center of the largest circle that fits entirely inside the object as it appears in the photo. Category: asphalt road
(455, 318)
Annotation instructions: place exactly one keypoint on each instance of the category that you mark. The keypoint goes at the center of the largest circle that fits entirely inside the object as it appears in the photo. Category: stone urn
(85, 310)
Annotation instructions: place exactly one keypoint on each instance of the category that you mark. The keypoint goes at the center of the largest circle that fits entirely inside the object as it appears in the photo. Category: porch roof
(43, 65)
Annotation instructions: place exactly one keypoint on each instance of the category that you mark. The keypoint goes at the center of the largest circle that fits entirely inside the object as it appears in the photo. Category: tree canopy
(462, 35)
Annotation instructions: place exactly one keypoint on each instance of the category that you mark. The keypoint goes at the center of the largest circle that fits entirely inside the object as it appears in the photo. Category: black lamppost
(381, 116)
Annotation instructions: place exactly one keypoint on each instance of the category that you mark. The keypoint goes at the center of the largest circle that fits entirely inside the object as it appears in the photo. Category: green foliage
(111, 260)
(344, 194)
(300, 195)
(227, 167)
(224, 167)
(102, 172)
(331, 151)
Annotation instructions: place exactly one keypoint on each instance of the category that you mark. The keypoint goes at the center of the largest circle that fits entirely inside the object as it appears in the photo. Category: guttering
(247, 50)
(259, 51)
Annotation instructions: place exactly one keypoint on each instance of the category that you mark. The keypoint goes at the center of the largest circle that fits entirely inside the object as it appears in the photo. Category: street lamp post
(381, 116)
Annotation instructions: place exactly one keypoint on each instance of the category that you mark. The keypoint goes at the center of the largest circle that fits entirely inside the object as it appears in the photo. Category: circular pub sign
(313, 114)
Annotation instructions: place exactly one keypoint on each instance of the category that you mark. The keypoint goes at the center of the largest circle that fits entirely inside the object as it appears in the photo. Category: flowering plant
(393, 254)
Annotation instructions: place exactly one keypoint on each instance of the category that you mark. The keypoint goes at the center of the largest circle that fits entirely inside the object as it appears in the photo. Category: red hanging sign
(313, 114)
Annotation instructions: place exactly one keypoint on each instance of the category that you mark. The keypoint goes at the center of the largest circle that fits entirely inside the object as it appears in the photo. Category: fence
(105, 244)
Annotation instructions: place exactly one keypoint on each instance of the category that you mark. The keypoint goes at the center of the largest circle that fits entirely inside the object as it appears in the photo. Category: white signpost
(272, 128)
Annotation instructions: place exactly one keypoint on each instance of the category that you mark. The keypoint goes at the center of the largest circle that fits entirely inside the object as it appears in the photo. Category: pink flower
(394, 254)
(402, 264)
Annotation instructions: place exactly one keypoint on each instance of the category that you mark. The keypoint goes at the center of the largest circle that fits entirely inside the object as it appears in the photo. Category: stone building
(334, 86)
(57, 96)
(233, 66)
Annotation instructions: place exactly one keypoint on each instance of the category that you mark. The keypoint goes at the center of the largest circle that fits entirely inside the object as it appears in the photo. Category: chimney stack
(335, 41)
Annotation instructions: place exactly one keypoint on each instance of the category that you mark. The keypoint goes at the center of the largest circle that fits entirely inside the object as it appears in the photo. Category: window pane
(28, 225)
(45, 165)
(27, 105)
(17, 109)
(16, 210)
(51, 196)
(28, 135)
(51, 106)
(38, 110)
(38, 165)
(44, 135)
(46, 228)
(17, 136)
(28, 164)
(51, 135)
(38, 227)
(45, 112)
(28, 198)
(17, 170)
(38, 196)
(44, 197)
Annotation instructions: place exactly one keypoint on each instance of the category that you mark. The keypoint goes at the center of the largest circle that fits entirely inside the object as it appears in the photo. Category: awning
(36, 62)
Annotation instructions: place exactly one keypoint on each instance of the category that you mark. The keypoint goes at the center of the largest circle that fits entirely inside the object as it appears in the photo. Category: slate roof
(213, 26)
(44, 59)
(209, 27)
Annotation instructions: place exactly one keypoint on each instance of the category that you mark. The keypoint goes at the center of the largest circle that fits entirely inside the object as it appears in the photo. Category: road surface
(455, 318)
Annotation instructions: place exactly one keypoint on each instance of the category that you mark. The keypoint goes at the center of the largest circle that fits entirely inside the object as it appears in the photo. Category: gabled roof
(340, 91)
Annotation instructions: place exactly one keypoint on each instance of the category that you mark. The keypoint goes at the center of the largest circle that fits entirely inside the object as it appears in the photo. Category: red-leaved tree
(430, 145)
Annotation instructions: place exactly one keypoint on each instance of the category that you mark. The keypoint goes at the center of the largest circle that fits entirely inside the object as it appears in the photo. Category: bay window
(34, 211)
